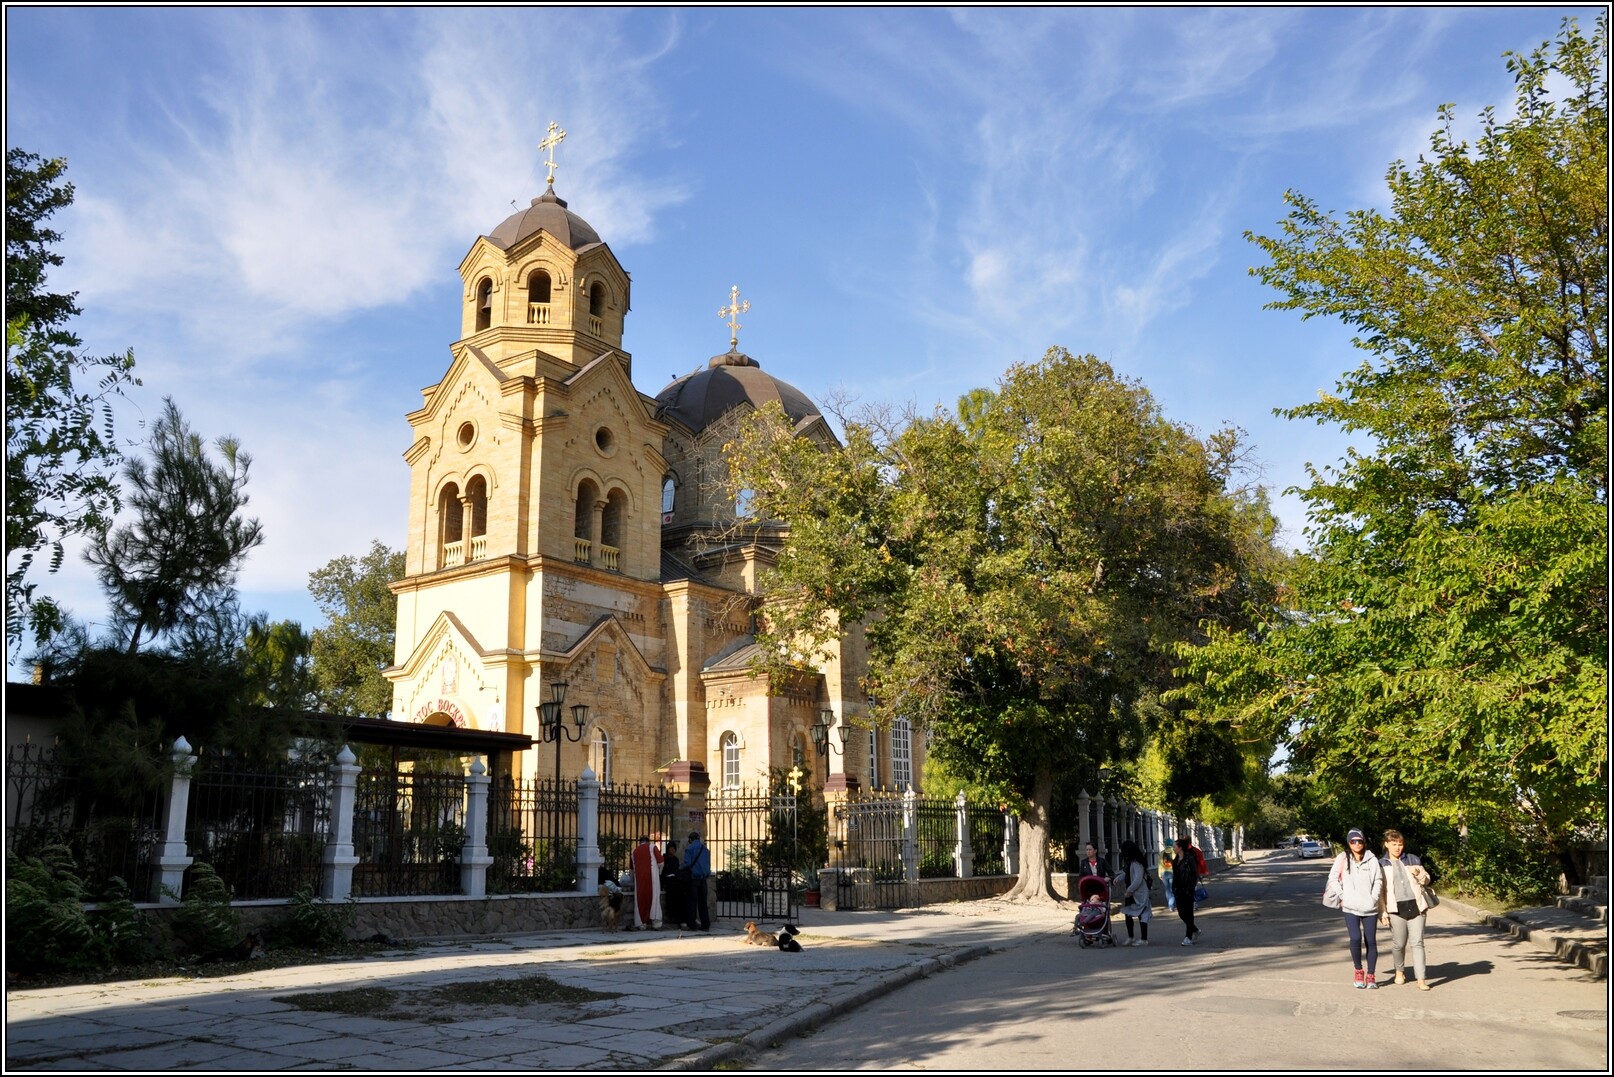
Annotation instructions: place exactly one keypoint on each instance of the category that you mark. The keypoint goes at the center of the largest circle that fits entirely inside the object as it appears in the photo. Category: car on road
(1310, 849)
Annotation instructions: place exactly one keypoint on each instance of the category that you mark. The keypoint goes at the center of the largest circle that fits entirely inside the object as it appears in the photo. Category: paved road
(1269, 988)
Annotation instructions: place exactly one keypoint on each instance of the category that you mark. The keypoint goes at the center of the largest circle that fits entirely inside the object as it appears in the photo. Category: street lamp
(550, 726)
(821, 741)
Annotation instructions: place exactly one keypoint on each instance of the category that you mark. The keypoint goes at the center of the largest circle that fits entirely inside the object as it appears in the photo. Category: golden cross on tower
(556, 137)
(736, 307)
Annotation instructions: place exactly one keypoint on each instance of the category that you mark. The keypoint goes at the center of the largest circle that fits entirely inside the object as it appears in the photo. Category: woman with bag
(1356, 885)
(1184, 881)
(1404, 906)
(1136, 898)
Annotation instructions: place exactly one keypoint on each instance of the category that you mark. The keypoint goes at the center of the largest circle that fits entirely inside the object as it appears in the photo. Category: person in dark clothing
(1092, 864)
(698, 862)
(1184, 878)
(673, 896)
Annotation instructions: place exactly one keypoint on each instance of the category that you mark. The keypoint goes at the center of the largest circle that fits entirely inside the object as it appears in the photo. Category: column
(589, 857)
(474, 858)
(910, 836)
(171, 860)
(1011, 844)
(1084, 804)
(339, 859)
(1099, 838)
(963, 854)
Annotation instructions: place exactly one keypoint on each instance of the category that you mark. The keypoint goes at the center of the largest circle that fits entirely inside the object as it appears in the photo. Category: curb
(1569, 951)
(819, 1012)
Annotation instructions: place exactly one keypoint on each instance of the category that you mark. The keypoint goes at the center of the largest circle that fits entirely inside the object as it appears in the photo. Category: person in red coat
(646, 864)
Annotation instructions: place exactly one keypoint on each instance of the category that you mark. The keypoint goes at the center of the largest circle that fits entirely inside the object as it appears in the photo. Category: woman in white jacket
(1358, 880)
(1404, 907)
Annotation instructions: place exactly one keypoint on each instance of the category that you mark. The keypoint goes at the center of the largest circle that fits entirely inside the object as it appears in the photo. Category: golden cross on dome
(736, 307)
(556, 137)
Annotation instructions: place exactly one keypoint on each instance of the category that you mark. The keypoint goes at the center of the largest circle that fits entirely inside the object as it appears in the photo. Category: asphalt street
(1268, 988)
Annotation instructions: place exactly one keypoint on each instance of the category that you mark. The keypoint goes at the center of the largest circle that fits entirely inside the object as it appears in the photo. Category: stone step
(1595, 907)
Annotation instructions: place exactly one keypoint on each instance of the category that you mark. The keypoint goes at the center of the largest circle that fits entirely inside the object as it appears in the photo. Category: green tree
(1023, 572)
(1444, 658)
(61, 454)
(358, 639)
(184, 547)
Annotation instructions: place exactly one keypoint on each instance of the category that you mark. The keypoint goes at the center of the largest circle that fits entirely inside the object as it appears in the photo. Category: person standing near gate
(673, 896)
(646, 862)
(698, 863)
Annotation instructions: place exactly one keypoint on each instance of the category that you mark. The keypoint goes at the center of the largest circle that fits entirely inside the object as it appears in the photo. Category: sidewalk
(685, 1001)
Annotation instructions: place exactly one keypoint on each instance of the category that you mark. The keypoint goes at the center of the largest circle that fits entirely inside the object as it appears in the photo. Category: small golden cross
(736, 307)
(556, 137)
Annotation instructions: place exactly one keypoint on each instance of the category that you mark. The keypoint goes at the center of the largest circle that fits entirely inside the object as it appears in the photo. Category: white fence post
(910, 836)
(1011, 844)
(1084, 831)
(339, 860)
(474, 858)
(171, 858)
(963, 854)
(589, 857)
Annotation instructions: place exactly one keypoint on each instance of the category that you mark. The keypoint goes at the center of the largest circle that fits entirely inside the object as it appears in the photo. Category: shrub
(125, 931)
(47, 927)
(314, 923)
(206, 922)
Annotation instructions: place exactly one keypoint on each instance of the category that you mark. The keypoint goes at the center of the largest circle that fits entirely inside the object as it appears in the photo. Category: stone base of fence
(924, 892)
(440, 917)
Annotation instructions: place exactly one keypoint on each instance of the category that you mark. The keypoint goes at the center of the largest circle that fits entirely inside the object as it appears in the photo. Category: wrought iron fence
(261, 826)
(752, 835)
(408, 831)
(986, 838)
(629, 812)
(532, 836)
(112, 833)
(936, 832)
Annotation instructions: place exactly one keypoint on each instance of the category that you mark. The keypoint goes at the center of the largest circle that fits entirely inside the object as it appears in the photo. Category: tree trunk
(1033, 883)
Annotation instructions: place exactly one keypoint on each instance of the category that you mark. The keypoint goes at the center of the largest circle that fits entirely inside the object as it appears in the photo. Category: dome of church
(697, 400)
(549, 213)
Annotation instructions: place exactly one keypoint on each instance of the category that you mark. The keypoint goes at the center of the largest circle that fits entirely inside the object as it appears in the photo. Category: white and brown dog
(610, 907)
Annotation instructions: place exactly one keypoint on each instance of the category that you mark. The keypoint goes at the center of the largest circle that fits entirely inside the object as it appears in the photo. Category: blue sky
(272, 203)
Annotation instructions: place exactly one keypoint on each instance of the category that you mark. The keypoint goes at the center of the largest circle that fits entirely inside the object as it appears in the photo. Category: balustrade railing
(453, 554)
(581, 550)
(609, 556)
(537, 313)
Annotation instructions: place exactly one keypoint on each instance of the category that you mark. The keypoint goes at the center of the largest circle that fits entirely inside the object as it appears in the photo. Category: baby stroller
(1093, 918)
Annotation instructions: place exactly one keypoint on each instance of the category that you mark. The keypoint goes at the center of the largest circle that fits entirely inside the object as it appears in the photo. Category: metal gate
(752, 837)
(870, 837)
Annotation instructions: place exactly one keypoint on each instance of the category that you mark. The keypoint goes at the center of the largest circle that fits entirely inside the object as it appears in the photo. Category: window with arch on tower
(450, 527)
(484, 304)
(538, 294)
(613, 525)
(588, 496)
(476, 494)
(596, 308)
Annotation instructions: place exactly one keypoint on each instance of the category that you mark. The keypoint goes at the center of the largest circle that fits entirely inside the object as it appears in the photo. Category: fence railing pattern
(532, 836)
(111, 833)
(408, 830)
(628, 812)
(261, 827)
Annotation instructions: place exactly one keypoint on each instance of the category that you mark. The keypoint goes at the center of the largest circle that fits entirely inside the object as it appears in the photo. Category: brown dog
(610, 909)
(755, 936)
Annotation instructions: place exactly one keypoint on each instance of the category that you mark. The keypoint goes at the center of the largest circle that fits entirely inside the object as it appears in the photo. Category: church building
(565, 528)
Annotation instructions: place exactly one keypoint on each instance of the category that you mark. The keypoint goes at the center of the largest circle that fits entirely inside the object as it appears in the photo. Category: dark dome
(549, 213)
(697, 400)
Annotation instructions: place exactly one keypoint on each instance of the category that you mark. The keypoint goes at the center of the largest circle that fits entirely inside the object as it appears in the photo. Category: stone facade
(564, 526)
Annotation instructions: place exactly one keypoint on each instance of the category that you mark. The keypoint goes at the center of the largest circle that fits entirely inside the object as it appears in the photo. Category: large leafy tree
(1023, 570)
(1445, 660)
(358, 639)
(61, 455)
(181, 551)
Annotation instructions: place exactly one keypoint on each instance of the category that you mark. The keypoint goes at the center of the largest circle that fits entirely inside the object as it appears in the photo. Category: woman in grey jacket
(1404, 906)
(1359, 881)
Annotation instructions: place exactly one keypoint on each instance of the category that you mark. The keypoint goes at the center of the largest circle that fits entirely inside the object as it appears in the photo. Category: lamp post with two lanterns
(552, 729)
(821, 741)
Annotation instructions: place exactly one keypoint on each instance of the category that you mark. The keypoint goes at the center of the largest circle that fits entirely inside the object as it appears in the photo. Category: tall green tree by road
(1023, 571)
(357, 641)
(61, 455)
(188, 537)
(1446, 656)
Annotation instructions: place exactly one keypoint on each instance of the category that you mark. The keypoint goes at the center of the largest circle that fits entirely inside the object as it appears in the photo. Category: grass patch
(354, 1002)
(524, 991)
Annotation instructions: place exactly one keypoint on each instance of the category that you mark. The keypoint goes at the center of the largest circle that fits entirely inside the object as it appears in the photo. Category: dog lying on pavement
(784, 940)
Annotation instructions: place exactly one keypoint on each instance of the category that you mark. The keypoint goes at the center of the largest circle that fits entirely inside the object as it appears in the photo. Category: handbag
(1334, 892)
(1200, 894)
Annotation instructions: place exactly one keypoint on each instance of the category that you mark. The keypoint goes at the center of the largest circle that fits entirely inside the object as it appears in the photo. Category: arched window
(484, 304)
(599, 755)
(731, 761)
(450, 527)
(588, 495)
(669, 495)
(613, 519)
(596, 299)
(901, 753)
(476, 491)
(798, 751)
(538, 286)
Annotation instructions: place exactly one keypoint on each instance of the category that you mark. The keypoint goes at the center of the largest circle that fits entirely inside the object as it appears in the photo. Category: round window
(604, 440)
(466, 437)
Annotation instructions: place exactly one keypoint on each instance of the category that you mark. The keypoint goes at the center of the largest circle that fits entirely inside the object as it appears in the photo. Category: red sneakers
(1361, 978)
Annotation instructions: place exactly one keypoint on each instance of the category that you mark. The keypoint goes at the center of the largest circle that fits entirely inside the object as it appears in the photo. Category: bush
(311, 922)
(47, 927)
(206, 922)
(125, 931)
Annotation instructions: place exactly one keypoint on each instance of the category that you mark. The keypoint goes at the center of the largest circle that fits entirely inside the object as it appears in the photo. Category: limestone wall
(436, 917)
